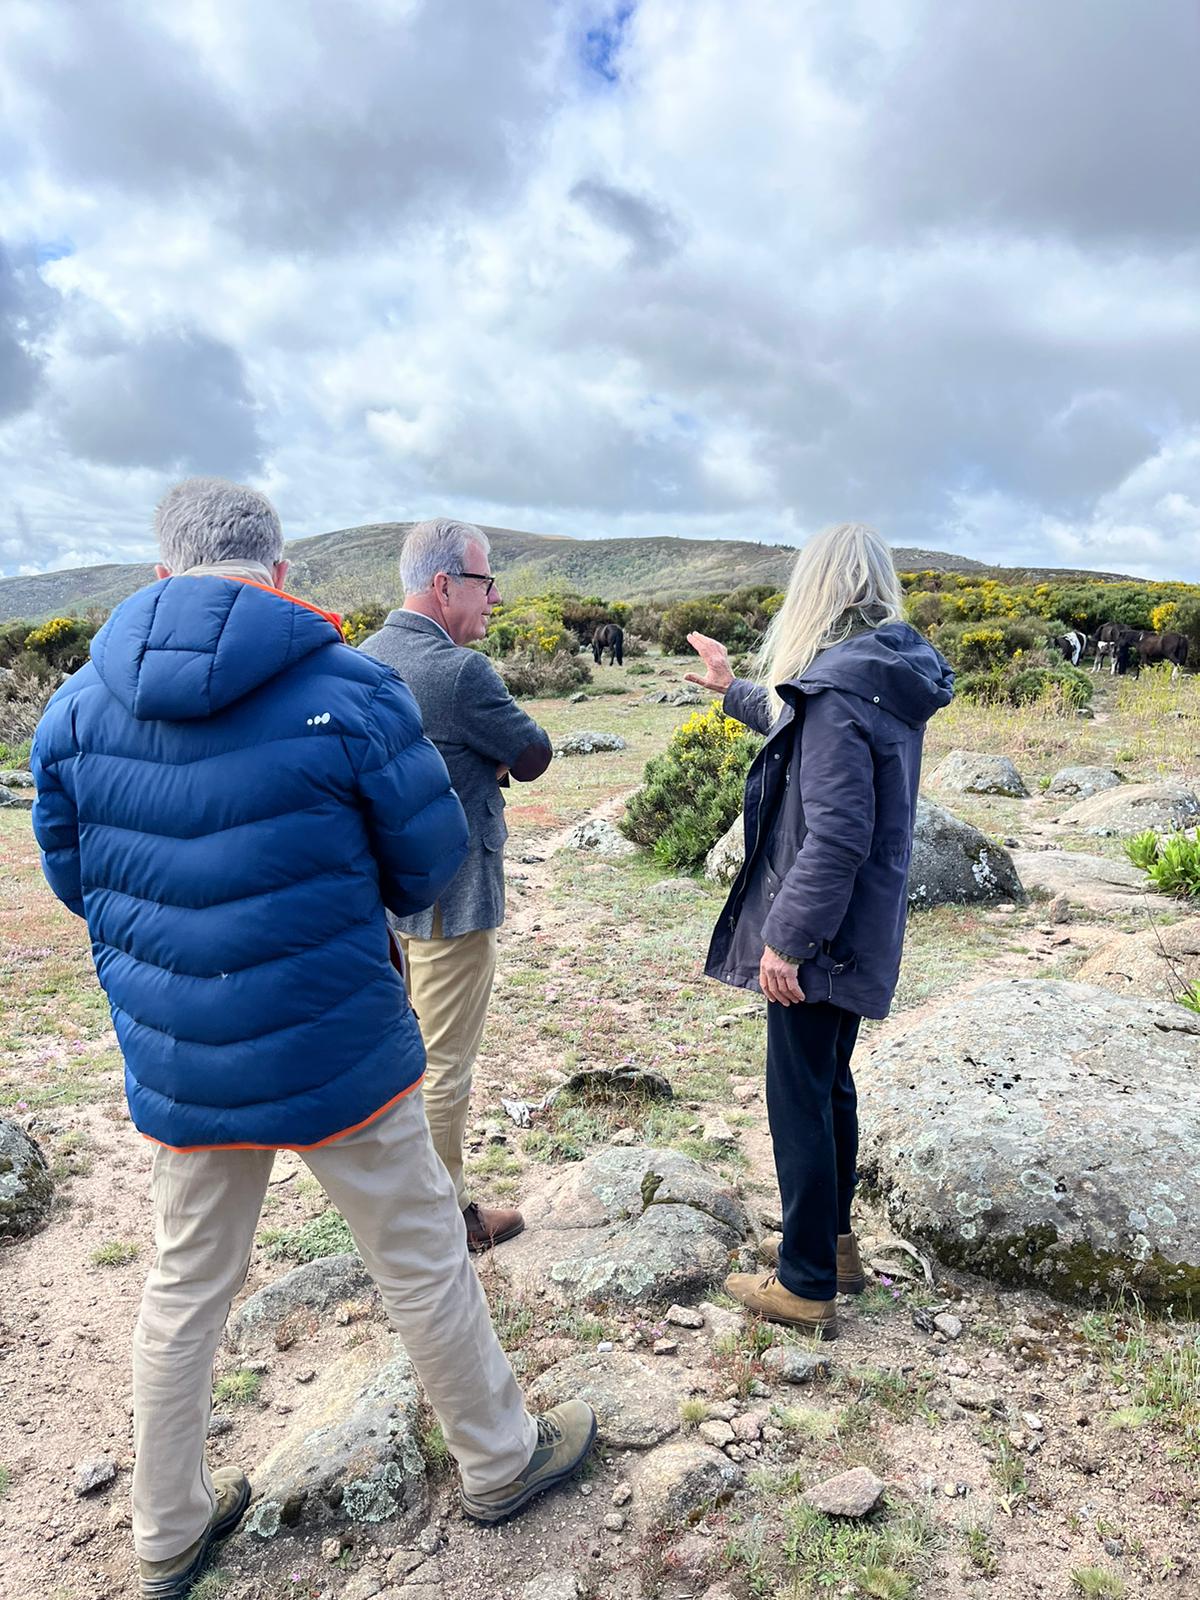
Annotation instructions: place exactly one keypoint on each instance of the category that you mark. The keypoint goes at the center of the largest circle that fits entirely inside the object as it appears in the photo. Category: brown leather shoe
(766, 1297)
(851, 1279)
(489, 1225)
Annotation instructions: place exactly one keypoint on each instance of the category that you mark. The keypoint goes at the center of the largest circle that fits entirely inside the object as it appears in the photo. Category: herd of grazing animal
(1125, 649)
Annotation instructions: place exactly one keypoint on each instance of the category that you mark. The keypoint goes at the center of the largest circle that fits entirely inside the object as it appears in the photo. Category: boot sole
(178, 1586)
(492, 1516)
(852, 1285)
(817, 1330)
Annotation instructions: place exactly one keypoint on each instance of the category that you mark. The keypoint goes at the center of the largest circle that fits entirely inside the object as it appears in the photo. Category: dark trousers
(812, 1108)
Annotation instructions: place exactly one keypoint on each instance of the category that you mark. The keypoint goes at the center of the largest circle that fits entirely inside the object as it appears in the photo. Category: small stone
(850, 1494)
(665, 1347)
(220, 1422)
(717, 1131)
(946, 1322)
(331, 1549)
(975, 1396)
(1032, 1421)
(119, 1517)
(362, 1586)
(684, 1317)
(552, 1586)
(748, 1427)
(402, 1563)
(604, 1347)
(621, 1494)
(429, 1540)
(614, 1522)
(306, 1375)
(716, 1433)
(720, 1319)
(96, 1473)
(624, 1136)
(793, 1364)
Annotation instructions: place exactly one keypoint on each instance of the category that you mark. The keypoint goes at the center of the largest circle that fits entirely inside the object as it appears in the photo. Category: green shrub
(1034, 684)
(692, 793)
(323, 1235)
(531, 673)
(1172, 864)
(362, 623)
(704, 616)
(979, 644)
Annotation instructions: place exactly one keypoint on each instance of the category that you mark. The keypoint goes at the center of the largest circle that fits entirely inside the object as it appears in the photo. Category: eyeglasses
(480, 577)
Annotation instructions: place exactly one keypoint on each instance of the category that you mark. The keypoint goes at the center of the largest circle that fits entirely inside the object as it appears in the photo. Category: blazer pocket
(495, 829)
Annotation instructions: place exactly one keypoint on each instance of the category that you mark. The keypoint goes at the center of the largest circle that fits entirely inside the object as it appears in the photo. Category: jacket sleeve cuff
(807, 952)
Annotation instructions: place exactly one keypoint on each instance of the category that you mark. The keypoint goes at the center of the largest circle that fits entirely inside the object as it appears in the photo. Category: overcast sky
(707, 267)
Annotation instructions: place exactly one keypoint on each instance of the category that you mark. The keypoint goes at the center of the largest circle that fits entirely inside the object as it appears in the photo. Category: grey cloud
(175, 401)
(1081, 117)
(652, 233)
(331, 122)
(27, 307)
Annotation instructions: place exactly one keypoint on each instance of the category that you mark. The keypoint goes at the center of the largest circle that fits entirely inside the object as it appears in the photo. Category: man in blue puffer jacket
(233, 798)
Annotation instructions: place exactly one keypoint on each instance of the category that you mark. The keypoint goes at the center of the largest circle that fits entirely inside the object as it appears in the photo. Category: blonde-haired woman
(815, 920)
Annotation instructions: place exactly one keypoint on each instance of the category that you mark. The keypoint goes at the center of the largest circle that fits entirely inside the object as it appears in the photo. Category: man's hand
(718, 673)
(779, 979)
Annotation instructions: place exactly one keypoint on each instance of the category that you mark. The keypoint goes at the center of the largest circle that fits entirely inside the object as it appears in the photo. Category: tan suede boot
(766, 1297)
(851, 1279)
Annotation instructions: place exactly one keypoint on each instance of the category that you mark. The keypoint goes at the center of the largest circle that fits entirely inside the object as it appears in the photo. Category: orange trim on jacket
(190, 1149)
(330, 616)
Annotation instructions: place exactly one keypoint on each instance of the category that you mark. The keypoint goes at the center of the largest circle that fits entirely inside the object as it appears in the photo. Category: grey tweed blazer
(477, 726)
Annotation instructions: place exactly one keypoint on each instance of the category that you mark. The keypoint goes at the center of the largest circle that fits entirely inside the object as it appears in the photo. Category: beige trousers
(402, 1210)
(450, 984)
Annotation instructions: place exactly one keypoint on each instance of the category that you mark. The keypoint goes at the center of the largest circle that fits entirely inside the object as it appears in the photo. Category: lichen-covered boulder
(586, 742)
(1083, 782)
(1045, 1133)
(1160, 962)
(600, 838)
(26, 1187)
(1167, 807)
(953, 862)
(968, 772)
(352, 1455)
(724, 860)
(278, 1310)
(627, 1226)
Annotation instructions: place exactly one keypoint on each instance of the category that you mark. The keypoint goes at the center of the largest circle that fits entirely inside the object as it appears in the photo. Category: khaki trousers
(450, 984)
(402, 1210)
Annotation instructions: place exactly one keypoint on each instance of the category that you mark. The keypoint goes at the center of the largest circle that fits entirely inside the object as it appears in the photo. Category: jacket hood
(892, 666)
(186, 648)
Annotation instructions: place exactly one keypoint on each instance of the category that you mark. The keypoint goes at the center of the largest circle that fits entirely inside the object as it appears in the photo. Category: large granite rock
(724, 860)
(627, 1226)
(352, 1454)
(954, 862)
(1096, 883)
(15, 799)
(587, 742)
(1166, 807)
(277, 1311)
(17, 778)
(26, 1187)
(968, 772)
(600, 838)
(636, 1405)
(1045, 1133)
(1083, 782)
(1161, 962)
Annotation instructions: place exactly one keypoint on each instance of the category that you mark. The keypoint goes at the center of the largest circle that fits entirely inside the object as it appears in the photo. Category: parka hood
(186, 648)
(891, 666)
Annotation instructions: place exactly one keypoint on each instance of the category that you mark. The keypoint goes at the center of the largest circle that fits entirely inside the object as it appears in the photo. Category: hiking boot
(489, 1225)
(766, 1297)
(565, 1434)
(173, 1579)
(851, 1279)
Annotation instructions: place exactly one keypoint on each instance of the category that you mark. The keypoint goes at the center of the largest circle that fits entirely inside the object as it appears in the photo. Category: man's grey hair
(439, 545)
(203, 520)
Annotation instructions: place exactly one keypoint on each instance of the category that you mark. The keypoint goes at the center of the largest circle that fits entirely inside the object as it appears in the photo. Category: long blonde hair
(844, 580)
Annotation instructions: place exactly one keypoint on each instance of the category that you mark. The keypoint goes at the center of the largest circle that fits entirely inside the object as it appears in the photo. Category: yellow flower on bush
(1162, 617)
(45, 637)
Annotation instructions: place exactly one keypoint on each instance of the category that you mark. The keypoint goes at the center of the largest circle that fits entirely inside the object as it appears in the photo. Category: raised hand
(718, 673)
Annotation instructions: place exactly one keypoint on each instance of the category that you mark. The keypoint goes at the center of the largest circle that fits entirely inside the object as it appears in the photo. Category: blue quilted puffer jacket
(231, 796)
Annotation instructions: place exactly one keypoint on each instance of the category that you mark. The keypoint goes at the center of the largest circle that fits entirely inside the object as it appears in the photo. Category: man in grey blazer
(483, 736)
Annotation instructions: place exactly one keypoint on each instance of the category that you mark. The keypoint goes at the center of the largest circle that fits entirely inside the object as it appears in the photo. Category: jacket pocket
(495, 829)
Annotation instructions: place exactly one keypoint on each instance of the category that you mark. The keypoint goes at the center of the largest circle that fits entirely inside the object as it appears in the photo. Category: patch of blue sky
(52, 250)
(601, 44)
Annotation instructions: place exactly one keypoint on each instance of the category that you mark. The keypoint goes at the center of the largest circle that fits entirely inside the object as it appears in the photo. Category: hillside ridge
(347, 567)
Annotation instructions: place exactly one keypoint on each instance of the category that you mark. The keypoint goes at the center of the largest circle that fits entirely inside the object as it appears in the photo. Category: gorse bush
(1172, 864)
(692, 793)
(362, 623)
(1015, 683)
(532, 673)
(705, 616)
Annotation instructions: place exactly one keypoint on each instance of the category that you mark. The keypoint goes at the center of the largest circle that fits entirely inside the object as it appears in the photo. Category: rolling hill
(352, 566)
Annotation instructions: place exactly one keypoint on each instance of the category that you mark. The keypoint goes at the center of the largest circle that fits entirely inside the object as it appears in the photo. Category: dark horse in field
(611, 638)
(1155, 647)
